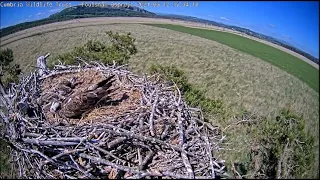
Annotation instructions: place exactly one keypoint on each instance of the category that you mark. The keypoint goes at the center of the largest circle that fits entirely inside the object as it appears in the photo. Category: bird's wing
(84, 101)
(106, 81)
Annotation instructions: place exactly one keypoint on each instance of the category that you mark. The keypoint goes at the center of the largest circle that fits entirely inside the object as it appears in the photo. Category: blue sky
(294, 22)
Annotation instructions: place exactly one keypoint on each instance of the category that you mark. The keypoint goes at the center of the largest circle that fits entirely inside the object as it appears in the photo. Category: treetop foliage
(8, 72)
(121, 48)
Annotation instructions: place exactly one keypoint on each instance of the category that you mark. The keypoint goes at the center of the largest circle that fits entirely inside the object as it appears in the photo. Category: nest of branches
(151, 133)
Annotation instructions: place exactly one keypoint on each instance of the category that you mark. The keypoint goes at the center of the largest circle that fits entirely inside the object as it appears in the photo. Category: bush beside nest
(192, 95)
(121, 48)
(287, 150)
(9, 72)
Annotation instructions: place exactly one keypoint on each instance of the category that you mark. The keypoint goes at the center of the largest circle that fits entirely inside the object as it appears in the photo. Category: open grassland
(109, 20)
(285, 61)
(240, 80)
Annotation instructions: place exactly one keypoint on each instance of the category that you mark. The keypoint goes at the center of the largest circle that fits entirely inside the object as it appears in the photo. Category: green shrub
(120, 50)
(284, 139)
(6, 57)
(124, 43)
(6, 171)
(8, 72)
(192, 95)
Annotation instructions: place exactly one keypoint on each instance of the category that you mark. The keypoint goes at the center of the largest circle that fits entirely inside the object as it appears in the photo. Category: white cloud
(30, 16)
(272, 25)
(54, 10)
(40, 13)
(223, 18)
(285, 36)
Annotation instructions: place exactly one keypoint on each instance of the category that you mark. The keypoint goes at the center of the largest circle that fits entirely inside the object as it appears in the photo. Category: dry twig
(161, 137)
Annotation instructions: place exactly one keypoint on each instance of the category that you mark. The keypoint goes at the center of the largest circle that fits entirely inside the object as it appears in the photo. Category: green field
(293, 65)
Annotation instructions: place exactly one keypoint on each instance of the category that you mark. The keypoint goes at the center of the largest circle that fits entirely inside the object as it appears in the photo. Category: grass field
(285, 61)
(242, 81)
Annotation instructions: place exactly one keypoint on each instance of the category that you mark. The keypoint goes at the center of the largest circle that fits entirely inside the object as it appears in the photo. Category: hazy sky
(294, 22)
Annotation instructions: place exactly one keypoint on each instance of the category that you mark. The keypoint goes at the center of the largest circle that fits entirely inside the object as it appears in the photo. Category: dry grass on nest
(130, 104)
(88, 78)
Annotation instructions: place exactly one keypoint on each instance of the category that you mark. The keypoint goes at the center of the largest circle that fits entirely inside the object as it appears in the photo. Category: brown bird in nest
(82, 102)
(59, 92)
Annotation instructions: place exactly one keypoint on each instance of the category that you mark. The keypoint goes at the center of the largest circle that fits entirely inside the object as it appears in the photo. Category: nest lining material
(129, 96)
(151, 134)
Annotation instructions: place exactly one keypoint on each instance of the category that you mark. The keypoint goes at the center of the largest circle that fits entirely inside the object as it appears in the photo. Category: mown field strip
(293, 65)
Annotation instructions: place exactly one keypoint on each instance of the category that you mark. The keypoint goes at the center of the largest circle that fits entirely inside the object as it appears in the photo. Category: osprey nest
(98, 121)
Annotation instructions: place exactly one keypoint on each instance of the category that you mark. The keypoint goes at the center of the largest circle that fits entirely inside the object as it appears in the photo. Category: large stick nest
(144, 130)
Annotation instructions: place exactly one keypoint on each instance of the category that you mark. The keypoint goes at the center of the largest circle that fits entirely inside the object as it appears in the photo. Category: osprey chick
(81, 102)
